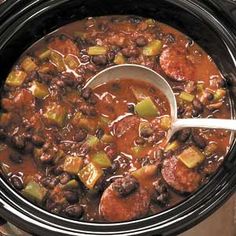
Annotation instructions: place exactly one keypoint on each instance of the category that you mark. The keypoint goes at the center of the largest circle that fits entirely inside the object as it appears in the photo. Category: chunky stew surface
(100, 155)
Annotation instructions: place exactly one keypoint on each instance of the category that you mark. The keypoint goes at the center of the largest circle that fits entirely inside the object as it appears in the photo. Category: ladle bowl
(138, 72)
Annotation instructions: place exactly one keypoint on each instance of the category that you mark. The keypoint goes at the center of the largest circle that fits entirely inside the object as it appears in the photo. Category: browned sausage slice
(124, 125)
(114, 208)
(176, 65)
(180, 177)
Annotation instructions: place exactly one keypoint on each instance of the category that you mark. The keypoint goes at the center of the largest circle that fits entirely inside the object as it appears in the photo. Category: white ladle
(138, 72)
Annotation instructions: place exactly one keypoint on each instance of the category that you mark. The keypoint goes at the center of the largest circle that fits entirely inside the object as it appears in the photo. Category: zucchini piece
(119, 59)
(219, 94)
(92, 141)
(71, 184)
(73, 164)
(165, 122)
(153, 48)
(146, 108)
(210, 149)
(191, 157)
(16, 78)
(39, 90)
(28, 64)
(172, 146)
(90, 174)
(145, 172)
(34, 192)
(57, 60)
(97, 50)
(71, 61)
(88, 124)
(55, 114)
(101, 159)
(186, 96)
(44, 54)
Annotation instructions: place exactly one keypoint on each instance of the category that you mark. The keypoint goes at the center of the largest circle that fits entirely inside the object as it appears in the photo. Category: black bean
(86, 93)
(50, 182)
(209, 96)
(38, 140)
(99, 133)
(135, 19)
(92, 100)
(180, 110)
(65, 178)
(199, 140)
(184, 134)
(17, 183)
(85, 58)
(141, 41)
(74, 211)
(130, 52)
(71, 197)
(131, 108)
(16, 158)
(197, 105)
(146, 132)
(3, 134)
(58, 170)
(125, 186)
(99, 60)
(80, 135)
(18, 142)
(195, 113)
(140, 141)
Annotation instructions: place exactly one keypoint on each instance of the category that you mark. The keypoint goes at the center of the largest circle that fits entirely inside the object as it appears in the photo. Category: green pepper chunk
(97, 50)
(153, 48)
(92, 141)
(71, 184)
(16, 78)
(146, 108)
(186, 96)
(90, 174)
(34, 191)
(39, 90)
(101, 159)
(73, 164)
(55, 114)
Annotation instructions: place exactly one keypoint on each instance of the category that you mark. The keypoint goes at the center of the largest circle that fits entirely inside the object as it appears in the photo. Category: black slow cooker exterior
(211, 23)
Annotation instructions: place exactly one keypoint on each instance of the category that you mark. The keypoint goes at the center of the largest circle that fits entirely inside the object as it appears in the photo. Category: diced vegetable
(39, 90)
(219, 94)
(71, 61)
(92, 141)
(73, 164)
(105, 120)
(119, 59)
(90, 174)
(145, 129)
(191, 157)
(200, 87)
(150, 22)
(107, 138)
(165, 122)
(139, 93)
(44, 54)
(71, 184)
(210, 149)
(57, 60)
(16, 78)
(46, 68)
(97, 50)
(55, 114)
(153, 48)
(101, 159)
(145, 172)
(28, 64)
(136, 150)
(34, 191)
(146, 108)
(186, 96)
(172, 146)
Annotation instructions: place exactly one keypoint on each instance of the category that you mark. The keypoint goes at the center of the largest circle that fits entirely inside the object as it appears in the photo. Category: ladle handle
(204, 123)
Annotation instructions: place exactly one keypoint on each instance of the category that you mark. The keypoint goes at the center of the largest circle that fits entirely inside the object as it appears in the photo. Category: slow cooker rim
(62, 1)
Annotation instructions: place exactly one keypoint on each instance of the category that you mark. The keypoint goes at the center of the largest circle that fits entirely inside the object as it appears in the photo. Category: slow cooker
(211, 23)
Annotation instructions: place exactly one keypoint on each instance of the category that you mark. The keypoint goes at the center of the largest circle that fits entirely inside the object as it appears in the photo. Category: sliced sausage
(179, 177)
(114, 208)
(176, 65)
(124, 125)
